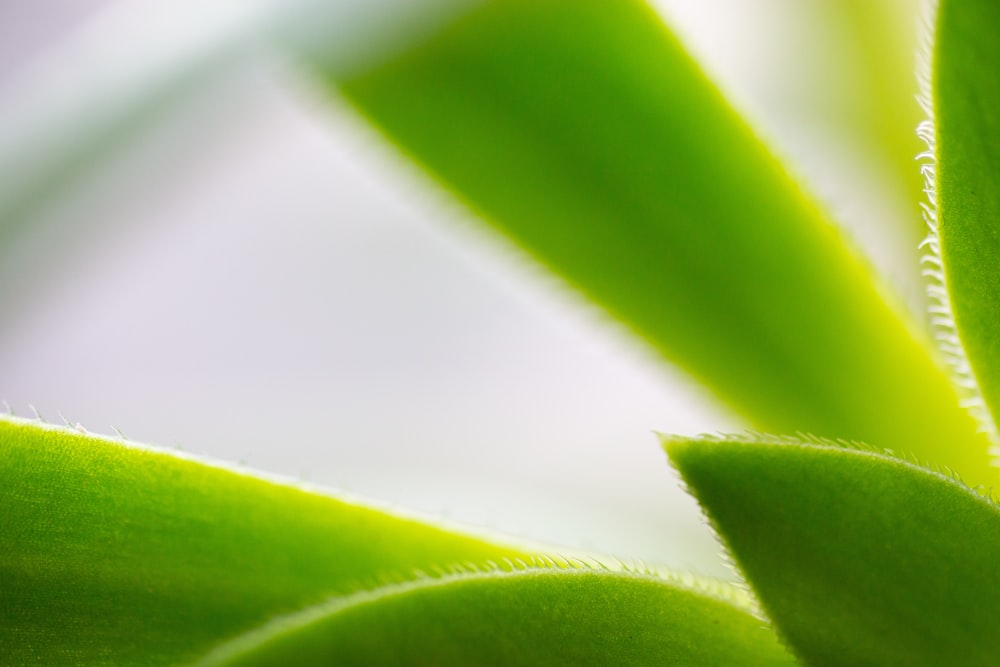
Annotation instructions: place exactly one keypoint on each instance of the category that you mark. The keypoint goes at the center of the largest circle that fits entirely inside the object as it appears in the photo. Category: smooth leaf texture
(98, 98)
(118, 555)
(966, 102)
(879, 106)
(859, 558)
(584, 131)
(530, 617)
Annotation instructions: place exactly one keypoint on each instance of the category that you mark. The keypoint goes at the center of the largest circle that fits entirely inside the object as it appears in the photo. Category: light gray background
(261, 280)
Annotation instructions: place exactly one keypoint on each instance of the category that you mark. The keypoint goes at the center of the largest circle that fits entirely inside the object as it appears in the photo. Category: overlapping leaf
(520, 617)
(859, 558)
(585, 132)
(116, 555)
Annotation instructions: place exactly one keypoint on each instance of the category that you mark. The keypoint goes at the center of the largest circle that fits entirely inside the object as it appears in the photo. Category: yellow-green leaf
(584, 131)
(119, 555)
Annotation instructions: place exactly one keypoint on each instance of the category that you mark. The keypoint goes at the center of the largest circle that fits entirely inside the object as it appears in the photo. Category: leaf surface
(528, 617)
(966, 91)
(119, 555)
(858, 558)
(585, 132)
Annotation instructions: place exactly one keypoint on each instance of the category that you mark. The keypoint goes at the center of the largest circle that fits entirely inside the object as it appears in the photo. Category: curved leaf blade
(118, 555)
(859, 558)
(966, 104)
(585, 132)
(526, 617)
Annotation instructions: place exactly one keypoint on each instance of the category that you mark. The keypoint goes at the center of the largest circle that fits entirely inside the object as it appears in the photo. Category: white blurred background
(201, 251)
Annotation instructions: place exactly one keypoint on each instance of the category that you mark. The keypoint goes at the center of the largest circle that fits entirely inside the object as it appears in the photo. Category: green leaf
(120, 555)
(966, 106)
(519, 617)
(583, 130)
(859, 558)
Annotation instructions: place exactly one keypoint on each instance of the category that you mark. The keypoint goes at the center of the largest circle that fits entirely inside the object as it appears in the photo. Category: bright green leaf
(519, 617)
(584, 131)
(966, 105)
(119, 555)
(859, 558)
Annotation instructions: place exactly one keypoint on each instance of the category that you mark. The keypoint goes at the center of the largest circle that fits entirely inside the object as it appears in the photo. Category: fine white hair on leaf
(942, 317)
(810, 440)
(382, 591)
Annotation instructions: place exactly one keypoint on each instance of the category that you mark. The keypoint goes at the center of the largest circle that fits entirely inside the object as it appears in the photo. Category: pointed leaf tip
(858, 558)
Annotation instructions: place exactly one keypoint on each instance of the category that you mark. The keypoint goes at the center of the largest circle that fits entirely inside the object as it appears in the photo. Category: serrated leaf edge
(941, 316)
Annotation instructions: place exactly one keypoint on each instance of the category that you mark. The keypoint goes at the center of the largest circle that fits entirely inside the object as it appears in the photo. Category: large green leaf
(582, 129)
(519, 617)
(859, 558)
(966, 105)
(118, 555)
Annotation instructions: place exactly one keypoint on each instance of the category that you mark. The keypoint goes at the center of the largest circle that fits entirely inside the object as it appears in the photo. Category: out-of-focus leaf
(528, 617)
(886, 39)
(858, 558)
(966, 104)
(109, 85)
(878, 100)
(585, 132)
(102, 91)
(118, 555)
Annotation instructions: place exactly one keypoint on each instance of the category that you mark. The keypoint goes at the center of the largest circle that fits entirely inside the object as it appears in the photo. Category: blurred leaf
(880, 106)
(859, 558)
(102, 91)
(585, 132)
(85, 127)
(527, 617)
(967, 112)
(119, 555)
